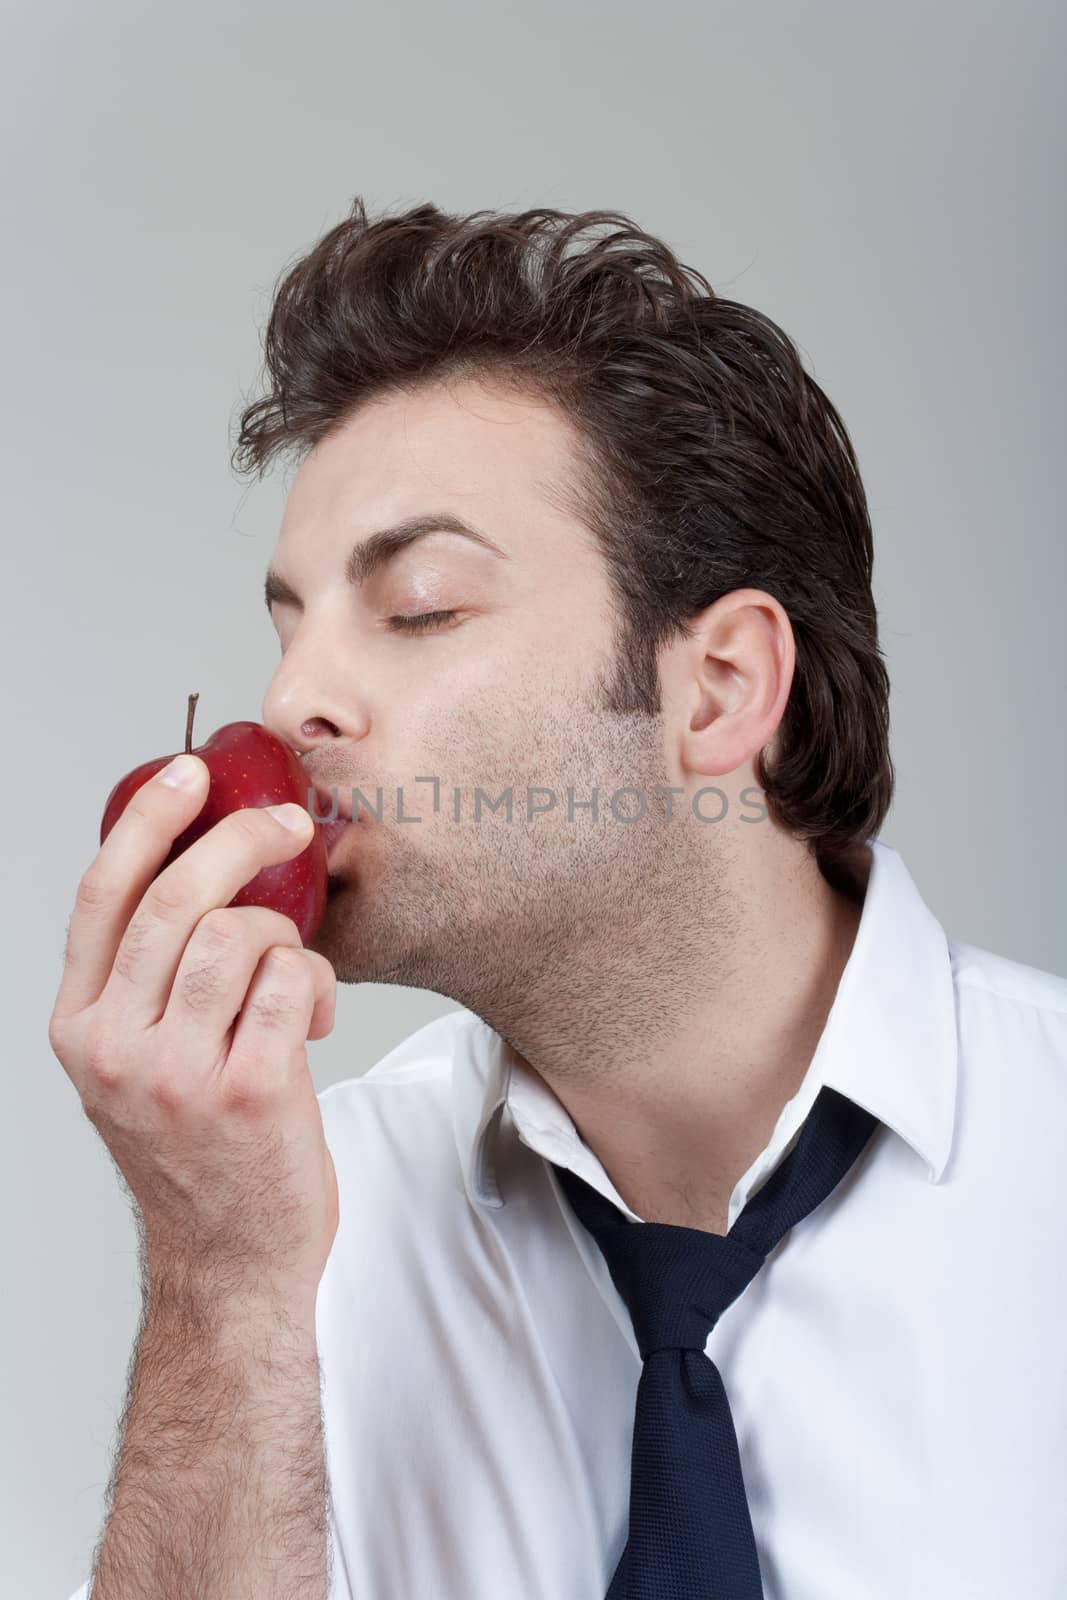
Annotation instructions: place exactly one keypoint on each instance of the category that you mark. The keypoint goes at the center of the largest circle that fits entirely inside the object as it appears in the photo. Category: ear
(730, 680)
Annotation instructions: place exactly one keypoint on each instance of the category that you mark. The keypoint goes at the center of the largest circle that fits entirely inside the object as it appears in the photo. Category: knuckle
(222, 929)
(290, 972)
(285, 987)
(202, 986)
(287, 961)
(274, 1009)
(94, 892)
(219, 939)
(245, 1092)
(103, 1065)
(57, 1038)
(140, 802)
(250, 826)
(168, 1091)
(167, 897)
(133, 944)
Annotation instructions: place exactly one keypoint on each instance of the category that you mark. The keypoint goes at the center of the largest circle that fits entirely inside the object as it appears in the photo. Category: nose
(309, 701)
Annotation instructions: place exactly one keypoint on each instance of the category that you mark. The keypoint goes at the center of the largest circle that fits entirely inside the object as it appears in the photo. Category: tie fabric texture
(690, 1533)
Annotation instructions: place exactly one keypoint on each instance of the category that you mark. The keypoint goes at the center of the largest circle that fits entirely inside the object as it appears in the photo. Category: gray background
(884, 181)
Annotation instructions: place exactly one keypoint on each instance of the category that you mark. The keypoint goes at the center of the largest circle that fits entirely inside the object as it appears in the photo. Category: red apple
(248, 766)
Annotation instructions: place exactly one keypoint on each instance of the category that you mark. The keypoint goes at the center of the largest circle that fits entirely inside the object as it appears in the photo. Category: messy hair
(709, 459)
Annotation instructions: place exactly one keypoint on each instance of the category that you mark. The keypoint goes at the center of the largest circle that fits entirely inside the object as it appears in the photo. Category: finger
(205, 876)
(274, 1022)
(117, 877)
(324, 1013)
(211, 983)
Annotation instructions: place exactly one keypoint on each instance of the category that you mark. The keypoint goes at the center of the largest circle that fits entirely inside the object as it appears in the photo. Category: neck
(698, 1035)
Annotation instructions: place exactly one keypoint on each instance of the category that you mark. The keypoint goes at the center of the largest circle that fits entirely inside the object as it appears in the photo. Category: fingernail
(181, 773)
(291, 816)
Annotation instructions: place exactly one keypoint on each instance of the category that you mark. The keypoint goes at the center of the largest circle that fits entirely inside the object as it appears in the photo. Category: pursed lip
(330, 833)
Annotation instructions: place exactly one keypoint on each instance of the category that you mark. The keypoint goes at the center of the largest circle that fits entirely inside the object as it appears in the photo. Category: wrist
(203, 1307)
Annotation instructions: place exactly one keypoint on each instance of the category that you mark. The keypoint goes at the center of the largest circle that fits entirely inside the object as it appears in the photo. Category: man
(576, 570)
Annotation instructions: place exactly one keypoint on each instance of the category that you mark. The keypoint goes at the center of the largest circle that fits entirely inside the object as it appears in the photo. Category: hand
(182, 1021)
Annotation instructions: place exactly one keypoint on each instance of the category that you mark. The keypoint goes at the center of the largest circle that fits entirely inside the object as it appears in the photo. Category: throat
(677, 1211)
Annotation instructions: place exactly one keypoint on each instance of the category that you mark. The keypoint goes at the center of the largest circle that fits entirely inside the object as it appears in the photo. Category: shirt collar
(889, 1044)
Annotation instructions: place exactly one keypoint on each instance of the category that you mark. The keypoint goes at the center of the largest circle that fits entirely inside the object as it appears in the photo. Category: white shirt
(896, 1370)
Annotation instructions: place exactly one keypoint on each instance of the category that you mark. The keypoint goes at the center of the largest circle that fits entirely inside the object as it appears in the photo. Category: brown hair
(711, 461)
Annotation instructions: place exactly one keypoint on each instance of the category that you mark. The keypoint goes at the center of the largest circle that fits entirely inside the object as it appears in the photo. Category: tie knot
(676, 1282)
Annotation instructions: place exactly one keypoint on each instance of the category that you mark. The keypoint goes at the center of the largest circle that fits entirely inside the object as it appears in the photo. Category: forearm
(220, 1487)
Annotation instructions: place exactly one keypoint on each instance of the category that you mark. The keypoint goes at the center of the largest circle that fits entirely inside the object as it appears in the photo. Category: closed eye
(421, 622)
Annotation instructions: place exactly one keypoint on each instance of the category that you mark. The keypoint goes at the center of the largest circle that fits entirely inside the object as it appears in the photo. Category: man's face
(508, 693)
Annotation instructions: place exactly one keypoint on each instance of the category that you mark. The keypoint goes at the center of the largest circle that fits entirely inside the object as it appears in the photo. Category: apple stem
(193, 698)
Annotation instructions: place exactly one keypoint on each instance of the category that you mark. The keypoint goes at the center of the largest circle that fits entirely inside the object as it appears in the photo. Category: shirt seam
(977, 980)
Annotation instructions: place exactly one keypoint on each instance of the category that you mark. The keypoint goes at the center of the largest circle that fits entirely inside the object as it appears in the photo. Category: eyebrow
(372, 553)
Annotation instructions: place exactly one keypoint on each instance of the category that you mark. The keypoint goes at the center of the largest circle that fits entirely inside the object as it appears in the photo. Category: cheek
(501, 715)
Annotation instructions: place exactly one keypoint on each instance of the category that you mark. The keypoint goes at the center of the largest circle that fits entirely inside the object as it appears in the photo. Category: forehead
(506, 461)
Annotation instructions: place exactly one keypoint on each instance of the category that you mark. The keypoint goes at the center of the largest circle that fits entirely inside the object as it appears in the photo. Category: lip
(331, 833)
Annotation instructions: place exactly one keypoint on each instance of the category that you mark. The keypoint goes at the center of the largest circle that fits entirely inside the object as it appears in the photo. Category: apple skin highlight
(248, 766)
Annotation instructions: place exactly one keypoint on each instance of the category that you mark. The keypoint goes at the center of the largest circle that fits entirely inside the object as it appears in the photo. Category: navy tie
(690, 1534)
